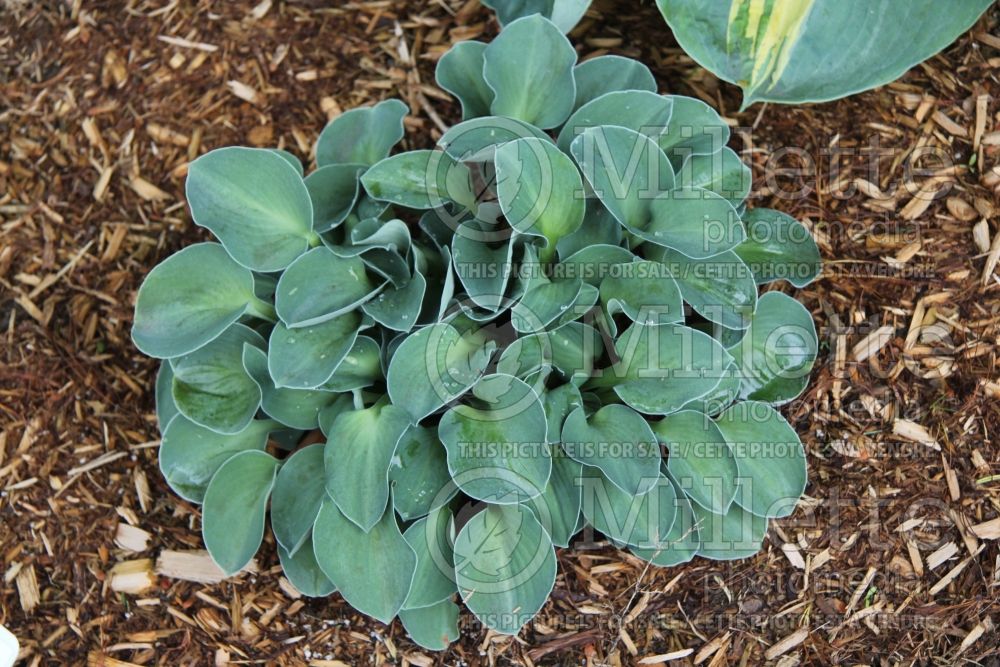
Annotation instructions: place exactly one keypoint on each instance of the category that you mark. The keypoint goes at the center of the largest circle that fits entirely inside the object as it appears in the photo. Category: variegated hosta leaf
(778, 247)
(780, 50)
(608, 74)
(505, 566)
(362, 136)
(619, 442)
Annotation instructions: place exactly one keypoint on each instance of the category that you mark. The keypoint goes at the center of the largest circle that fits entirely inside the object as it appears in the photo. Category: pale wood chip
(942, 555)
(992, 259)
(871, 344)
(182, 43)
(981, 235)
(27, 589)
(961, 209)
(194, 565)
(793, 555)
(914, 432)
(950, 126)
(133, 576)
(987, 530)
(953, 573)
(147, 190)
(132, 538)
(242, 91)
(666, 657)
(785, 645)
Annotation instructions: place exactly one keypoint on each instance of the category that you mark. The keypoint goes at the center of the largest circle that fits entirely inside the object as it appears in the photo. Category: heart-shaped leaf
(398, 308)
(497, 449)
(619, 442)
(321, 285)
(290, 159)
(599, 227)
(421, 180)
(255, 202)
(558, 508)
(608, 74)
(565, 14)
(333, 190)
(362, 136)
(642, 521)
(419, 474)
(431, 539)
(641, 111)
(721, 289)
(529, 67)
(232, 522)
(298, 408)
(681, 543)
(303, 571)
(595, 263)
(373, 570)
(433, 628)
(483, 269)
(359, 450)
(559, 403)
(700, 460)
(505, 566)
(299, 491)
(779, 247)
(723, 172)
(737, 534)
(644, 291)
(307, 357)
(694, 221)
(476, 140)
(460, 72)
(542, 302)
(695, 129)
(360, 368)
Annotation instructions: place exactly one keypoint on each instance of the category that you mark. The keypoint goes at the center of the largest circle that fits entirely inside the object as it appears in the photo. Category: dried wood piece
(133, 576)
(27, 589)
(194, 565)
(132, 538)
(787, 644)
(914, 432)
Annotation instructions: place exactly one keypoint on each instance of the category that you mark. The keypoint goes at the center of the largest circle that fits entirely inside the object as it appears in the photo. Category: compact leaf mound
(437, 366)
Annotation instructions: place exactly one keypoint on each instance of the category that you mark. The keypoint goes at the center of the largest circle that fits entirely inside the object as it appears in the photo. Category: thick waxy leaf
(362, 136)
(398, 308)
(700, 460)
(419, 474)
(638, 110)
(529, 67)
(431, 539)
(608, 74)
(661, 368)
(558, 404)
(571, 348)
(680, 544)
(433, 628)
(211, 387)
(778, 352)
(190, 298)
(540, 190)
(595, 263)
(599, 228)
(232, 522)
(476, 140)
(644, 291)
(695, 129)
(721, 289)
(724, 173)
(360, 368)
(627, 170)
(543, 301)
(779, 247)
(165, 406)
(333, 190)
(558, 508)
(359, 450)
(290, 159)
(421, 180)
(497, 449)
(303, 571)
(373, 570)
(770, 456)
(460, 72)
(298, 408)
(737, 534)
(642, 521)
(255, 202)
(697, 222)
(306, 358)
(619, 442)
(299, 490)
(321, 285)
(722, 396)
(780, 51)
(565, 14)
(190, 454)
(433, 367)
(505, 566)
(483, 269)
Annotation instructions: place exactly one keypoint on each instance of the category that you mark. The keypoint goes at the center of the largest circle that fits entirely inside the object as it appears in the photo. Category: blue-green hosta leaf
(627, 171)
(476, 140)
(460, 72)
(166, 409)
(398, 308)
(661, 368)
(780, 52)
(642, 521)
(303, 571)
(291, 159)
(595, 263)
(695, 129)
(374, 233)
(694, 221)
(255, 202)
(190, 454)
(431, 539)
(373, 570)
(779, 247)
(433, 367)
(321, 285)
(644, 291)
(619, 442)
(571, 348)
(190, 298)
(543, 301)
(333, 190)
(584, 303)
(344, 403)
(565, 14)
(306, 358)
(437, 271)
(211, 387)
(559, 403)
(359, 450)
(497, 448)
(299, 490)
(681, 543)
(482, 269)
(638, 110)
(433, 628)
(776, 356)
(540, 191)
(608, 74)
(362, 136)
(361, 367)
(722, 396)
(505, 566)
(599, 228)
(558, 508)
(232, 523)
(735, 535)
(721, 289)
(529, 67)
(700, 460)
(770, 456)
(723, 173)
(419, 474)
(298, 408)
(421, 180)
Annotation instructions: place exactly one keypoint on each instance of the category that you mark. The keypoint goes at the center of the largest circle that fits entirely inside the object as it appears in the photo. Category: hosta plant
(436, 366)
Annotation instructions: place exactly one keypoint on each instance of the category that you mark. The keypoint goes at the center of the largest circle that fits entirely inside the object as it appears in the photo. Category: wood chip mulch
(893, 554)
